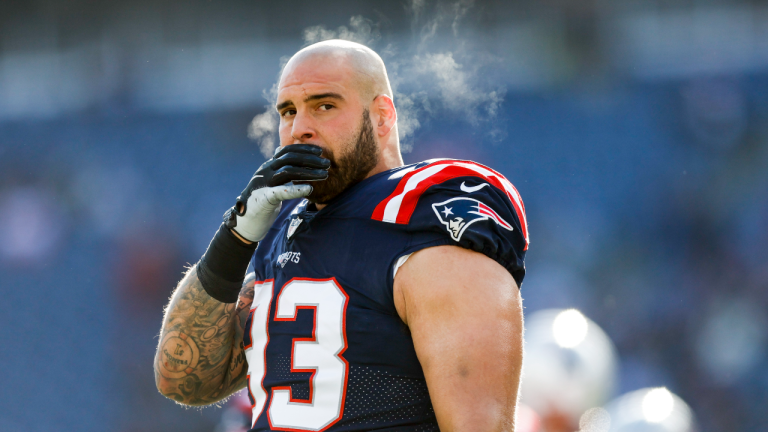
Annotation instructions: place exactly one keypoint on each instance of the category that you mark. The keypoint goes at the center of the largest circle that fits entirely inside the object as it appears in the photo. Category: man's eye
(325, 107)
(287, 113)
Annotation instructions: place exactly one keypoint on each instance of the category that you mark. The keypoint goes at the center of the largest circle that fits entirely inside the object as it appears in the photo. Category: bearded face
(359, 156)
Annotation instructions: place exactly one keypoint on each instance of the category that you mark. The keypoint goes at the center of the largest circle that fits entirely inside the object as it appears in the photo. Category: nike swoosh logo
(468, 189)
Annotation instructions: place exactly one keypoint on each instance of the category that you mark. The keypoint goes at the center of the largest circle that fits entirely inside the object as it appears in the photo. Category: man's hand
(258, 205)
(466, 318)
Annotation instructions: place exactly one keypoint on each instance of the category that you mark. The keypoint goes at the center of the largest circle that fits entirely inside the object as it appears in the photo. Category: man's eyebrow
(324, 96)
(285, 104)
(309, 98)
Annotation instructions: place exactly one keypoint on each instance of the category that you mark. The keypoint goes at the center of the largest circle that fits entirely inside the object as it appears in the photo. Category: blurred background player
(570, 381)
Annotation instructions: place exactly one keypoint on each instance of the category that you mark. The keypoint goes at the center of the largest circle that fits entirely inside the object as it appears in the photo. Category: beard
(359, 157)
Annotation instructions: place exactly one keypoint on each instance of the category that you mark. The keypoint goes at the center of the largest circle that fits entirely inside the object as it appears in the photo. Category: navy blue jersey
(326, 349)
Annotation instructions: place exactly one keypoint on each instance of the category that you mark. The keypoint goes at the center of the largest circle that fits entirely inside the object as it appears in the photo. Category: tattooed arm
(200, 359)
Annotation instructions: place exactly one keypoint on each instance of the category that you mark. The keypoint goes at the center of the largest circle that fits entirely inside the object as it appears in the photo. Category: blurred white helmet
(569, 364)
(649, 410)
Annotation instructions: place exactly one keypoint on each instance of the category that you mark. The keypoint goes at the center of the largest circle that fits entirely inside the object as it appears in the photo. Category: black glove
(258, 205)
(222, 268)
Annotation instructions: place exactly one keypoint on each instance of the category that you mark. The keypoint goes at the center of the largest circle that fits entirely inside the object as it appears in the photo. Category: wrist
(241, 238)
(221, 270)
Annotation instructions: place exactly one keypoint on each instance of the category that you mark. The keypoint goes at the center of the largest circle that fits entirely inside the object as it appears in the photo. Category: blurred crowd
(646, 195)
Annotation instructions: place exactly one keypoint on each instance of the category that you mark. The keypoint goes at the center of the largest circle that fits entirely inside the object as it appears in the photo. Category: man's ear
(383, 108)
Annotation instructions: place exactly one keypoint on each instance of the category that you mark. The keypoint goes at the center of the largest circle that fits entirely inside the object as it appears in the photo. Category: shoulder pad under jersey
(463, 203)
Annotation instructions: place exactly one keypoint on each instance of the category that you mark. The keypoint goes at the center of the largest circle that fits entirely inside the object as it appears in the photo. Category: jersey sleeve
(461, 203)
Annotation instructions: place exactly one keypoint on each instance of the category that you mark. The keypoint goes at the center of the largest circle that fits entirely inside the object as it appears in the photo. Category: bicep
(465, 315)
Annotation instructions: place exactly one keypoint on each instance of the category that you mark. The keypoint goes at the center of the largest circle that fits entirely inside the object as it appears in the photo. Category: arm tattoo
(200, 359)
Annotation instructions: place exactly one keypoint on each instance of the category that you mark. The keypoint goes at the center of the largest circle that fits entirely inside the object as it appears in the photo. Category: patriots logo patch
(295, 222)
(459, 213)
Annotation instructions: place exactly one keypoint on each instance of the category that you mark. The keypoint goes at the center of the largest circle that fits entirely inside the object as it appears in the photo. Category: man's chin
(321, 198)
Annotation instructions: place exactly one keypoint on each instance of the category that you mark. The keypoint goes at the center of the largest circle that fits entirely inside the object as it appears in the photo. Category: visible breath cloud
(436, 72)
(360, 30)
(262, 130)
(440, 73)
(263, 127)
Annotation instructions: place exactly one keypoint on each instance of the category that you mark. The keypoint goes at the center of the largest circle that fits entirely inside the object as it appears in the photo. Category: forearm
(199, 360)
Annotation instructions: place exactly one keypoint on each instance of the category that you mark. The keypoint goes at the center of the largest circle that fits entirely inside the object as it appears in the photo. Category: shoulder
(463, 203)
(462, 182)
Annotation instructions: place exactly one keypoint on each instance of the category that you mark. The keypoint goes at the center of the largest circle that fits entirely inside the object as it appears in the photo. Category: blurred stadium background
(636, 132)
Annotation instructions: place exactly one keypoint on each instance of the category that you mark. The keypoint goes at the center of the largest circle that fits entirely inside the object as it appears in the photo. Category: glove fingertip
(304, 189)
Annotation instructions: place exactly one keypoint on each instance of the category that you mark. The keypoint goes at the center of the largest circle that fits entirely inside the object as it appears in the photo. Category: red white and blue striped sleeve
(464, 203)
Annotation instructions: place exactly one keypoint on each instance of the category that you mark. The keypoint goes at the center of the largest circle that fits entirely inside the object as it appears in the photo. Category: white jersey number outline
(321, 354)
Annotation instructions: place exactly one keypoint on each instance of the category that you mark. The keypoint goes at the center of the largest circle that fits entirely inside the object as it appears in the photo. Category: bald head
(366, 70)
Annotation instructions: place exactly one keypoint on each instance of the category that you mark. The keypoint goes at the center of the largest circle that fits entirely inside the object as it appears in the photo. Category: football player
(381, 296)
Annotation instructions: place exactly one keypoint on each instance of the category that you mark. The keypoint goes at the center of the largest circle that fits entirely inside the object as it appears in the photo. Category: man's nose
(302, 129)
